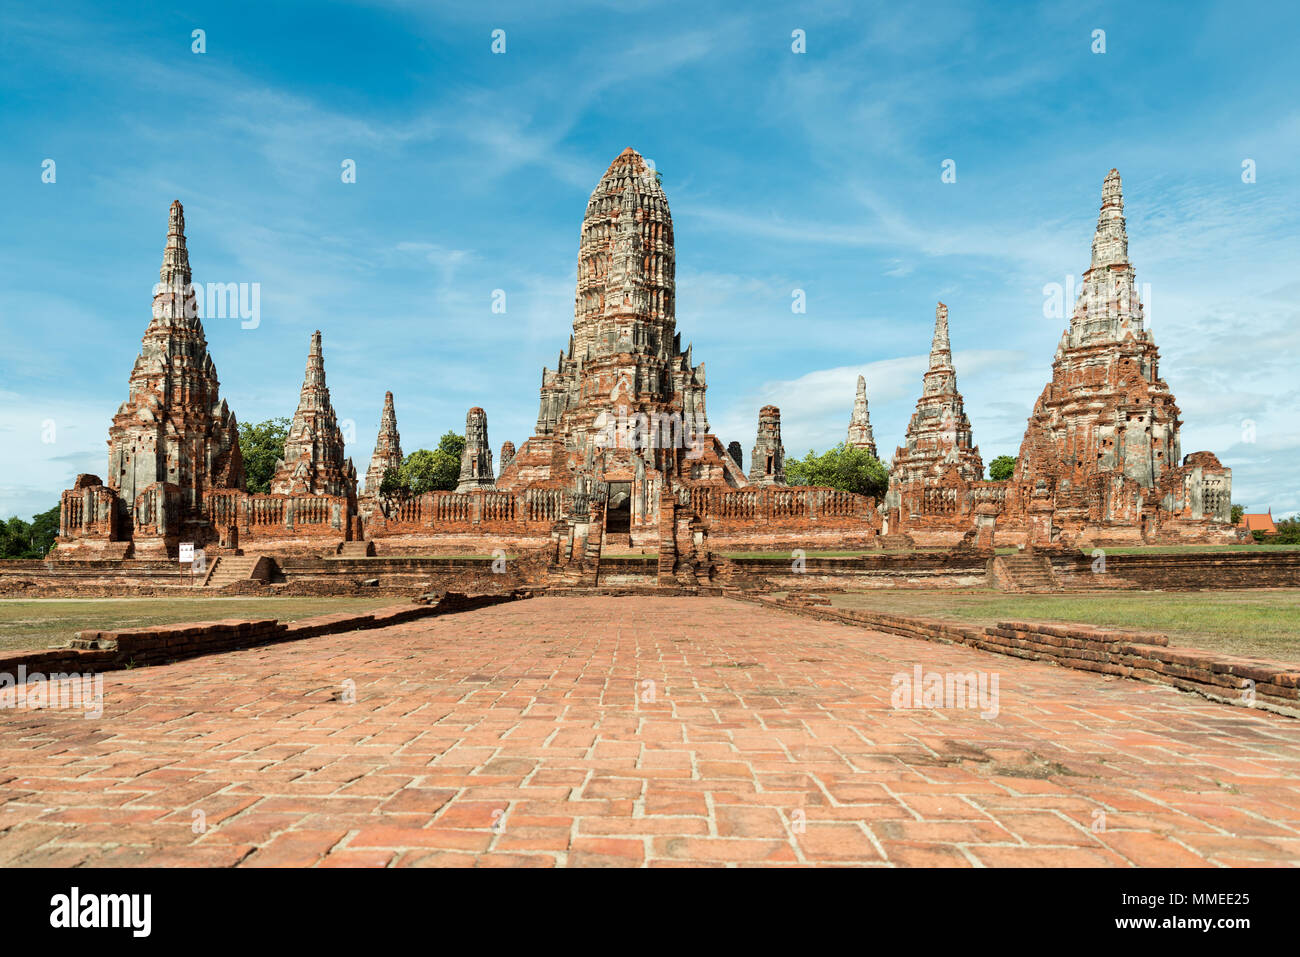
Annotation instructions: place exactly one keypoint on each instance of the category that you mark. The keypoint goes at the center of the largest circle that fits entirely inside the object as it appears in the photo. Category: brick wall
(1188, 571)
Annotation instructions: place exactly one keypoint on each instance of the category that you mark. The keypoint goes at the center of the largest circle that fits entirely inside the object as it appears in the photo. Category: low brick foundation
(93, 651)
(411, 575)
(1146, 656)
(1182, 571)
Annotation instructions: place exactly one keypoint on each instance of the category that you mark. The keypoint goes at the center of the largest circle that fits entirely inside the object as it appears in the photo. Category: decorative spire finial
(1110, 243)
(940, 348)
(176, 258)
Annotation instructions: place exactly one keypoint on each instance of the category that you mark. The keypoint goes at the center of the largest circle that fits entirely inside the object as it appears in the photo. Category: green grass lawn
(1258, 622)
(39, 623)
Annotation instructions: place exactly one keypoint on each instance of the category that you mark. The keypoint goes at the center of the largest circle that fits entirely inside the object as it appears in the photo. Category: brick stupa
(388, 448)
(314, 460)
(625, 404)
(1102, 442)
(939, 433)
(860, 435)
(476, 458)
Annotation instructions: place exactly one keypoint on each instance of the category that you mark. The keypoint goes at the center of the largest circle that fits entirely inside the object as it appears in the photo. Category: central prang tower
(624, 405)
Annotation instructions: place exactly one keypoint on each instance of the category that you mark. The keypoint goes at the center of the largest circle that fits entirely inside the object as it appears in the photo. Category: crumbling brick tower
(860, 435)
(507, 455)
(767, 460)
(1102, 442)
(931, 475)
(939, 437)
(388, 448)
(625, 404)
(476, 458)
(171, 442)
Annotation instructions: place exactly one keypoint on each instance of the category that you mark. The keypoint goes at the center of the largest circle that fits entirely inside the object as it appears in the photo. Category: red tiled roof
(1258, 522)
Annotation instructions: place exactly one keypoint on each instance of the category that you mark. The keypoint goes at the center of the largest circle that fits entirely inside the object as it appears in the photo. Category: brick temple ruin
(1100, 460)
(622, 453)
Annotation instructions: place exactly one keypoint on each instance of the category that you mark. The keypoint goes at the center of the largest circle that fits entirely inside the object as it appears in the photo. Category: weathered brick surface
(411, 575)
(1185, 571)
(92, 651)
(1127, 653)
(524, 734)
(1101, 458)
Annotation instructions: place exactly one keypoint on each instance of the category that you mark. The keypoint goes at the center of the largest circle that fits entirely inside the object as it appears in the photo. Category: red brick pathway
(525, 734)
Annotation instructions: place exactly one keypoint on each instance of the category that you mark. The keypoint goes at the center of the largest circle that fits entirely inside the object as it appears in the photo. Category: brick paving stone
(522, 735)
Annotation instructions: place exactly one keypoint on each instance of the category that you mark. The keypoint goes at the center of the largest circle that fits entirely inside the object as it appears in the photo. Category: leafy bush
(1288, 532)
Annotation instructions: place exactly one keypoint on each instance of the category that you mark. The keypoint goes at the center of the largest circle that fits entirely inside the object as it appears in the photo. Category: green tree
(453, 444)
(391, 484)
(34, 539)
(432, 471)
(262, 445)
(846, 468)
(45, 529)
(14, 536)
(1288, 532)
(1002, 468)
(1237, 512)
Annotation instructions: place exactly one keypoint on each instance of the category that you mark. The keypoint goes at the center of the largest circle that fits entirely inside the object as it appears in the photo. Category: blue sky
(817, 171)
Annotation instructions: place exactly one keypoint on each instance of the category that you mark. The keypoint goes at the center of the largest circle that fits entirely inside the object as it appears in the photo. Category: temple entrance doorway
(618, 511)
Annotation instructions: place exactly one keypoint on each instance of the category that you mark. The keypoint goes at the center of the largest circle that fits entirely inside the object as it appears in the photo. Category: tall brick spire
(174, 427)
(860, 435)
(626, 264)
(1108, 307)
(314, 462)
(388, 447)
(939, 433)
(625, 357)
(1106, 412)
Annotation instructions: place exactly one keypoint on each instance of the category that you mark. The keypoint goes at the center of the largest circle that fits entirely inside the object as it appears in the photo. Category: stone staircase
(228, 569)
(361, 549)
(1023, 573)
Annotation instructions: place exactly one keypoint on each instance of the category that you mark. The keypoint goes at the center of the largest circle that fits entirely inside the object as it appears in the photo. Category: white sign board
(187, 552)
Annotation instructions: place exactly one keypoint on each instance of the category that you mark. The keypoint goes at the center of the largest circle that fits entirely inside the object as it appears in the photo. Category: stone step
(1023, 573)
(227, 569)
